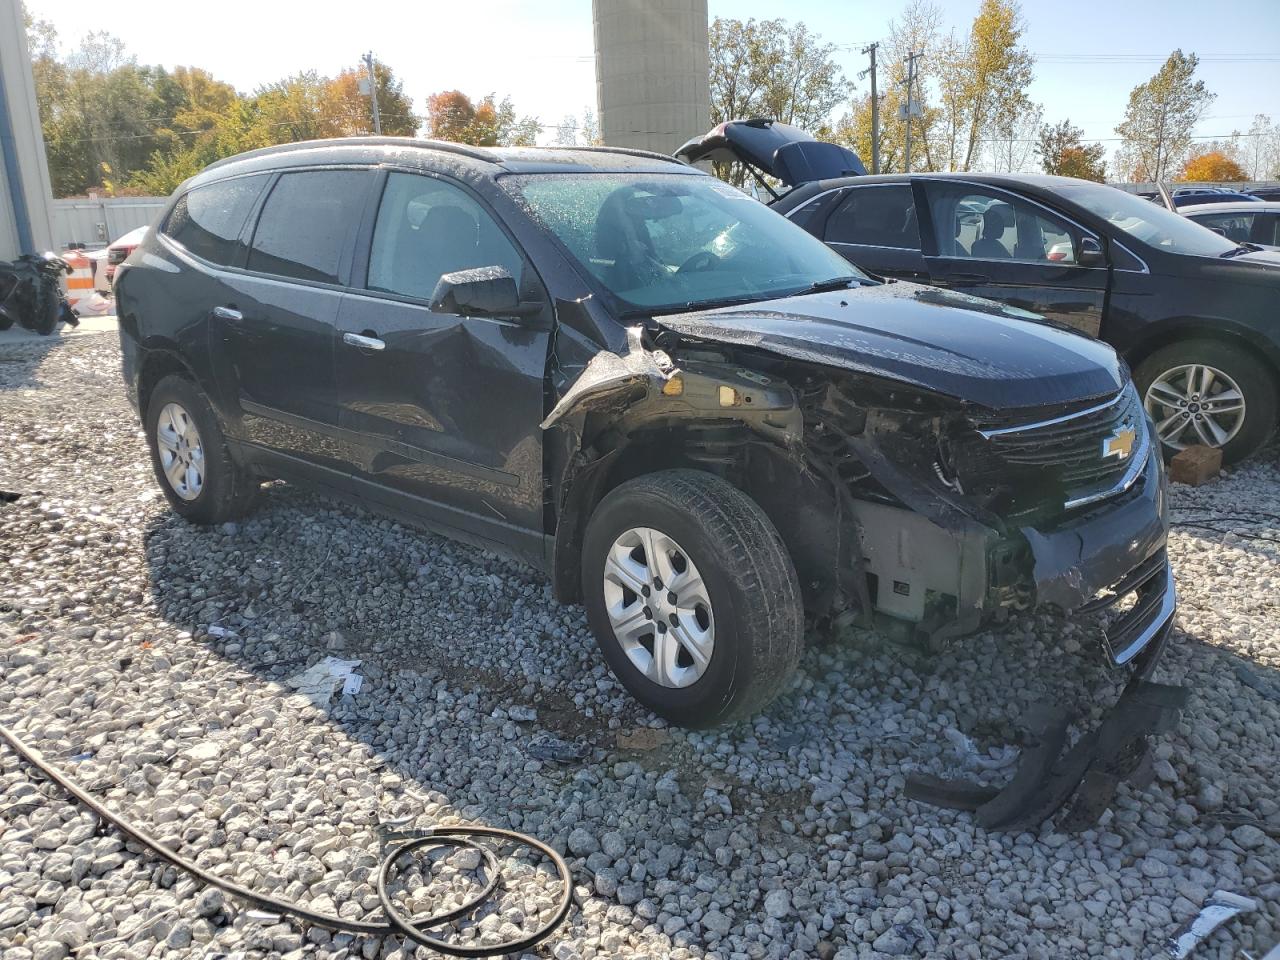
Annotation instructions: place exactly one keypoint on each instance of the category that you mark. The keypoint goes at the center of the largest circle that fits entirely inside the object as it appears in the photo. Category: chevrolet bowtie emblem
(1119, 444)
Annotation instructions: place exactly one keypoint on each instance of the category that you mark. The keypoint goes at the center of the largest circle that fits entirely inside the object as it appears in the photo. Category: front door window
(975, 224)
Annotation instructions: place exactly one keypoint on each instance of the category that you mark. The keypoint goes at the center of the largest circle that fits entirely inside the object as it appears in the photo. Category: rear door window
(306, 225)
(876, 216)
(207, 221)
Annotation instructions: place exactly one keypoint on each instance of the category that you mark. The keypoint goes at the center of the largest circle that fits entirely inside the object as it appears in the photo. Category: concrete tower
(652, 87)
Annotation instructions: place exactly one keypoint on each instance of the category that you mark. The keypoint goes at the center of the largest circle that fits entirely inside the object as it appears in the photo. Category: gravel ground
(788, 836)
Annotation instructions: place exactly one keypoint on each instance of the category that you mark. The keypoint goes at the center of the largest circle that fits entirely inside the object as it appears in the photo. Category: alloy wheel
(181, 451)
(1195, 403)
(659, 608)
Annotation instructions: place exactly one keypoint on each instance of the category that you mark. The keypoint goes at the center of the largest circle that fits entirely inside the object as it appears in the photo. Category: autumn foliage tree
(451, 115)
(1214, 166)
(1160, 116)
(1064, 154)
(112, 123)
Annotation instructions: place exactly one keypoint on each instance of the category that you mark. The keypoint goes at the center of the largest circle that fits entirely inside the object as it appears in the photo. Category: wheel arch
(799, 503)
(160, 358)
(1202, 328)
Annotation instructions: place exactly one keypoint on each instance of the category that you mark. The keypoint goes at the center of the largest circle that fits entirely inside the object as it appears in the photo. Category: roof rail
(629, 151)
(475, 153)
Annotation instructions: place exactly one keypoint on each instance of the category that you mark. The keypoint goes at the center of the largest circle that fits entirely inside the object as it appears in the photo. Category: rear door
(444, 408)
(874, 226)
(272, 336)
(994, 243)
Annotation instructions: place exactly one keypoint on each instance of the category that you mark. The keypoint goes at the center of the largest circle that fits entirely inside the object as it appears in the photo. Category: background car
(118, 252)
(1265, 193)
(1193, 312)
(1185, 196)
(1257, 223)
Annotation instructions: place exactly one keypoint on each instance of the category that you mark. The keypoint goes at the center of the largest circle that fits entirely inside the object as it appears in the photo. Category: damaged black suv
(701, 421)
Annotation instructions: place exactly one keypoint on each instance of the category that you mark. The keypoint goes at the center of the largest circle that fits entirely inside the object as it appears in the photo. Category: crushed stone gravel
(148, 658)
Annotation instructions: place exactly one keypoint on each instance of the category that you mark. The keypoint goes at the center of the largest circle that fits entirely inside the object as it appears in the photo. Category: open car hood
(774, 149)
(948, 343)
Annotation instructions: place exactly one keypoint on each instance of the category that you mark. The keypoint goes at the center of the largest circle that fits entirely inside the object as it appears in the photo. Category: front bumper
(1092, 563)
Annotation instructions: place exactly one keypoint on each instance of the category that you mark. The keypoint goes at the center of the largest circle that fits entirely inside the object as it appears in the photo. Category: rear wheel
(190, 457)
(1202, 392)
(692, 597)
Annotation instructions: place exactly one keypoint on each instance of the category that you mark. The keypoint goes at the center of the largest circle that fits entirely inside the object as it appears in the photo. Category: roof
(1240, 206)
(411, 151)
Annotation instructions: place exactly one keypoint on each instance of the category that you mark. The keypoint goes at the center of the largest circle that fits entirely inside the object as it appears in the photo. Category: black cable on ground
(396, 922)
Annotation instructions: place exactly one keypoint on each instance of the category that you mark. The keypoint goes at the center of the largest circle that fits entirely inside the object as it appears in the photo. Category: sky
(540, 52)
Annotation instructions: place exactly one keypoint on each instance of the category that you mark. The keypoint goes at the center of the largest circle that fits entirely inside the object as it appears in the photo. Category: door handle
(965, 279)
(363, 342)
(227, 313)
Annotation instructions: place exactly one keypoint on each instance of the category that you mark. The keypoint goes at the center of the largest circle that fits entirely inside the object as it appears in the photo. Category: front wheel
(692, 597)
(1207, 393)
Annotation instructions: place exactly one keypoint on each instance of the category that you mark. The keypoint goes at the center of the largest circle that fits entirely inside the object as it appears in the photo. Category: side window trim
(364, 252)
(345, 259)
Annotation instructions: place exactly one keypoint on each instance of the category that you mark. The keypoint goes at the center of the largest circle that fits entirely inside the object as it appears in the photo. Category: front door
(992, 243)
(442, 408)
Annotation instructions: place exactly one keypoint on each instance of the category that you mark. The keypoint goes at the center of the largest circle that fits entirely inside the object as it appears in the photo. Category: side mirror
(481, 292)
(1091, 253)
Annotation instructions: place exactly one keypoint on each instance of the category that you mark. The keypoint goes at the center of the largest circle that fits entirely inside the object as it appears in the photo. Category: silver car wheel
(181, 451)
(659, 607)
(1195, 404)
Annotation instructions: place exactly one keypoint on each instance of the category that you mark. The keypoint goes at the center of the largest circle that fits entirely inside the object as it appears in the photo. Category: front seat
(994, 222)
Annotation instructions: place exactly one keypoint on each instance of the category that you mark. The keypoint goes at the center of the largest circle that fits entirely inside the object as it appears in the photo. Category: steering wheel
(699, 262)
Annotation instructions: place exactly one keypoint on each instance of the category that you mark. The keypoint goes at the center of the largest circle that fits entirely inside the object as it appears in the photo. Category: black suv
(1196, 315)
(695, 416)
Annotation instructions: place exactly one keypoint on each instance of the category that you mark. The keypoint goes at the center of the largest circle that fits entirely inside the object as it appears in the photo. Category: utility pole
(373, 92)
(911, 79)
(875, 108)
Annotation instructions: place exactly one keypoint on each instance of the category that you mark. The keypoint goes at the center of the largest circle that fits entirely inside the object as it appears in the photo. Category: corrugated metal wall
(98, 222)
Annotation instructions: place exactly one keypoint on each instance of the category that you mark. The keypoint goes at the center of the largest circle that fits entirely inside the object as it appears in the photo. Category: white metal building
(652, 75)
(24, 174)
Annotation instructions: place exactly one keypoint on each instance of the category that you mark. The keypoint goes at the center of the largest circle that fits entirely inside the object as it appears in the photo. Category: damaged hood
(960, 346)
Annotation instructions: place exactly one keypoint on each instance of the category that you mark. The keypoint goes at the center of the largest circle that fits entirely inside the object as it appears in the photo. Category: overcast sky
(540, 52)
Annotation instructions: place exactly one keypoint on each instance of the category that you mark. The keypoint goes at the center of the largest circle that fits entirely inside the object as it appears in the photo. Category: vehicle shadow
(21, 359)
(451, 638)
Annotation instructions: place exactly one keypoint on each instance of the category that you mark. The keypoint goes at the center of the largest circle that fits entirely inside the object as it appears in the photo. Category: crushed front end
(964, 515)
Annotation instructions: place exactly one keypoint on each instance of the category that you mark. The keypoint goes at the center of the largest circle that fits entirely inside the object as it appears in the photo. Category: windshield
(1149, 222)
(662, 242)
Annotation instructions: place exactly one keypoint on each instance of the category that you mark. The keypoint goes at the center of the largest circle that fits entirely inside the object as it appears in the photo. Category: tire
(1170, 366)
(224, 489)
(753, 614)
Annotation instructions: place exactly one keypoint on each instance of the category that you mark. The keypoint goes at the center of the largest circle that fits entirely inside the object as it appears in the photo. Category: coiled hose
(396, 922)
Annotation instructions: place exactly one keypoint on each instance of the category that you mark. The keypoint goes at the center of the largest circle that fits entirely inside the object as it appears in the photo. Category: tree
(1261, 155)
(1215, 166)
(571, 133)
(1160, 116)
(347, 112)
(451, 115)
(1000, 72)
(1064, 154)
(767, 68)
(970, 90)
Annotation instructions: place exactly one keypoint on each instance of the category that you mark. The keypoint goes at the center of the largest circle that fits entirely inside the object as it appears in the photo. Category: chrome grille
(1077, 454)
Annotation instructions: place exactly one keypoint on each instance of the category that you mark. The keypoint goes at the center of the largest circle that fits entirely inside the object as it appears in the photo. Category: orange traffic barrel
(80, 280)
